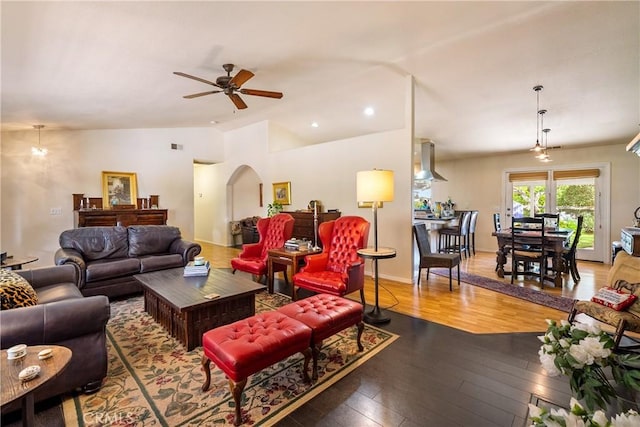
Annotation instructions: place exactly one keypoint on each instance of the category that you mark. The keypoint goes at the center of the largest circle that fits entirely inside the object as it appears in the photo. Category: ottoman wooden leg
(206, 363)
(236, 391)
(307, 356)
(315, 351)
(360, 329)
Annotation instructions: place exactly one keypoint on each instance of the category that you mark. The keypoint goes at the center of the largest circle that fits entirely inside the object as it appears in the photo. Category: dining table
(555, 240)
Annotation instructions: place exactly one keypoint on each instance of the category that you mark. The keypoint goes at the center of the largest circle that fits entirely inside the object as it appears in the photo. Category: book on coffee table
(196, 270)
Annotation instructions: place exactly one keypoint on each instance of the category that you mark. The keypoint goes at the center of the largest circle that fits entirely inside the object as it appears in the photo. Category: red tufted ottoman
(326, 315)
(247, 346)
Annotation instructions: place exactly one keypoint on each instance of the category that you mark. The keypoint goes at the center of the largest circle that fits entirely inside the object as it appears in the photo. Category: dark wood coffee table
(178, 303)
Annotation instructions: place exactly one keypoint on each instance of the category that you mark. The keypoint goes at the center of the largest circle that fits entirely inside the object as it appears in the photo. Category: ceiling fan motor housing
(223, 81)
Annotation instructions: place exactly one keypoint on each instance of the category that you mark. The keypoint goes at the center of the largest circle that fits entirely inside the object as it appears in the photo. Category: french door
(569, 192)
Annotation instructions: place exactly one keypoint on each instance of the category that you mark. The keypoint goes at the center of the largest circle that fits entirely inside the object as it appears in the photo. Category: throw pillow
(15, 291)
(614, 298)
(632, 288)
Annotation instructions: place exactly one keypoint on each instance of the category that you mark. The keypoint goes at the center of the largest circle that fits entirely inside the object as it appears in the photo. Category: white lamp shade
(374, 186)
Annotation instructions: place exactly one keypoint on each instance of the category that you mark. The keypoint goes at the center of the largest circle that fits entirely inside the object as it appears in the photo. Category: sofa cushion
(151, 239)
(15, 291)
(97, 242)
(107, 269)
(58, 292)
(160, 262)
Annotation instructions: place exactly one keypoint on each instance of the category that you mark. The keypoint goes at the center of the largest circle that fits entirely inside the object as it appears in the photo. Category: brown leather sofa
(61, 317)
(107, 258)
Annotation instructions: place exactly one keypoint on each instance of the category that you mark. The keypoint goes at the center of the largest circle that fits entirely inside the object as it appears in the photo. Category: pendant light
(537, 148)
(546, 158)
(39, 150)
(543, 150)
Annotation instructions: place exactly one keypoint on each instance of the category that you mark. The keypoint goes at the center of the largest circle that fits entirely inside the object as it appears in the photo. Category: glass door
(574, 197)
(568, 192)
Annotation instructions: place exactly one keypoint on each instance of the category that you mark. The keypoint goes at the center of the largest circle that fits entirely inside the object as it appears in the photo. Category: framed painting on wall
(282, 192)
(119, 188)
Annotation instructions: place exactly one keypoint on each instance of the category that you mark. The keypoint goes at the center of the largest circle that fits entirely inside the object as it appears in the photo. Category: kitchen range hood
(427, 163)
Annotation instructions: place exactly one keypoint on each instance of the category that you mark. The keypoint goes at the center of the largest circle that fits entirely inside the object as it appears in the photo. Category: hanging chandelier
(39, 150)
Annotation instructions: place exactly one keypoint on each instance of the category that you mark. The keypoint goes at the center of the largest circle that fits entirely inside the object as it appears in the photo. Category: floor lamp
(375, 186)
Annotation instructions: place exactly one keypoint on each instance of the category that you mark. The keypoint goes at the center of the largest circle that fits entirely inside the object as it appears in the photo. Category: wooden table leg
(270, 274)
(28, 417)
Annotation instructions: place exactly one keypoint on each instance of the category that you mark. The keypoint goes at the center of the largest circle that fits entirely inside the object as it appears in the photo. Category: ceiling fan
(230, 86)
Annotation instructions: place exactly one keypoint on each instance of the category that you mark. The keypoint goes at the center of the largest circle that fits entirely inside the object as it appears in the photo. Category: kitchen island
(434, 225)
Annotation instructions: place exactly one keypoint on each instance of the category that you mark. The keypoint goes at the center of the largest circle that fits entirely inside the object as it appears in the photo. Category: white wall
(326, 172)
(32, 186)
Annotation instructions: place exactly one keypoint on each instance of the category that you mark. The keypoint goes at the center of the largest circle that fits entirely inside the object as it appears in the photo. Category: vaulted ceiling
(108, 65)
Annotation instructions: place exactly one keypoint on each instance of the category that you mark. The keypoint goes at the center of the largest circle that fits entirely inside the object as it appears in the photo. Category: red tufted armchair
(338, 270)
(273, 233)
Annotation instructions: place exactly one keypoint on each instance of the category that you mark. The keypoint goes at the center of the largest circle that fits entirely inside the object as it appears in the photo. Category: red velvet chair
(273, 233)
(338, 270)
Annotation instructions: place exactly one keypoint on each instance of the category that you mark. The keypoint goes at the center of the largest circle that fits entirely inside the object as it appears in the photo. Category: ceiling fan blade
(240, 78)
(195, 95)
(239, 103)
(178, 73)
(257, 92)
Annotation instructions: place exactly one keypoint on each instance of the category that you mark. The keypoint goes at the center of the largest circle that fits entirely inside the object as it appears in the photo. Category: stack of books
(297, 245)
(196, 270)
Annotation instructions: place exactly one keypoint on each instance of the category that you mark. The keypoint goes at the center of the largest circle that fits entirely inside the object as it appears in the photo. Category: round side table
(376, 316)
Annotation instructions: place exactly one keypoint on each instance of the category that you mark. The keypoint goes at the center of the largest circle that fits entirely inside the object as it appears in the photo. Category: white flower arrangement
(582, 352)
(579, 417)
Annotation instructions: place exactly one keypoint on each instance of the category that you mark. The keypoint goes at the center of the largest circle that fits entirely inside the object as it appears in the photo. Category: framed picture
(369, 204)
(282, 192)
(119, 188)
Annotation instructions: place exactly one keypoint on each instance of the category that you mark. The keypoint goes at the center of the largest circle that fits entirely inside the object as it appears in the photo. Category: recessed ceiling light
(369, 111)
(213, 122)
(314, 125)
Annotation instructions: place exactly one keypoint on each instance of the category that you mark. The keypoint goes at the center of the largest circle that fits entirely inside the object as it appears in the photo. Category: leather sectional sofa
(107, 258)
(63, 317)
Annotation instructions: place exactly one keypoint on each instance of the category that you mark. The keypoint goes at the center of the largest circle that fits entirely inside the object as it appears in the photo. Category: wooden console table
(123, 217)
(89, 212)
(303, 225)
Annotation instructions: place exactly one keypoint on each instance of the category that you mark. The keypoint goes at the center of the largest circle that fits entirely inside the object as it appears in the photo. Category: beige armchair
(624, 275)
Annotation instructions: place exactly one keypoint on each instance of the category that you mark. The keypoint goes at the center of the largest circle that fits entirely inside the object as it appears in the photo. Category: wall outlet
(55, 211)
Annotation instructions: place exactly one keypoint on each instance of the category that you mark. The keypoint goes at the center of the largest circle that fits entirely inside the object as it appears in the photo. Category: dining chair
(496, 222)
(471, 236)
(528, 247)
(551, 220)
(429, 259)
(569, 253)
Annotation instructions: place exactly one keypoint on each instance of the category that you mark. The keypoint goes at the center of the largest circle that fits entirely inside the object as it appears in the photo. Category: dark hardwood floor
(435, 375)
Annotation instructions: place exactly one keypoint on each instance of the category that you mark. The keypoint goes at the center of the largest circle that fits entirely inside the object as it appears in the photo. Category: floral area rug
(153, 381)
(531, 295)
